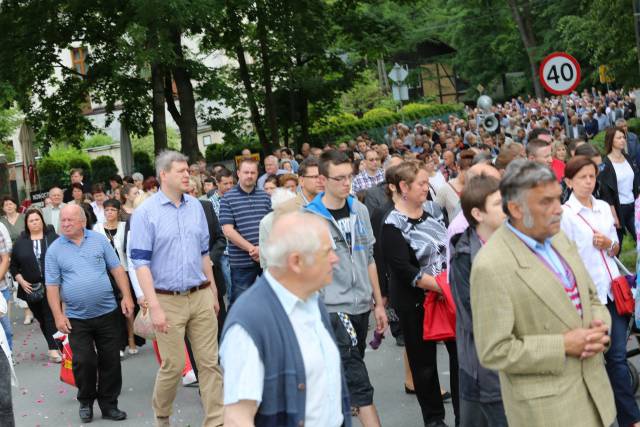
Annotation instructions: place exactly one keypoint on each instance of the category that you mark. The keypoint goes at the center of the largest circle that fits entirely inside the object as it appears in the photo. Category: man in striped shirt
(241, 210)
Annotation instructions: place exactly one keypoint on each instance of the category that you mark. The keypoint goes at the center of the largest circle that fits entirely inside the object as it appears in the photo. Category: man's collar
(165, 200)
(244, 192)
(528, 240)
(84, 236)
(286, 297)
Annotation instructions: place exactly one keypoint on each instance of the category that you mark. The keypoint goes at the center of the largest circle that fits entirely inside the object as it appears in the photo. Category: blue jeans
(618, 370)
(242, 278)
(5, 321)
(226, 272)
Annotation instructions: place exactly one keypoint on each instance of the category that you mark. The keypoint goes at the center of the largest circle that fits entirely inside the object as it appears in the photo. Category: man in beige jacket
(536, 317)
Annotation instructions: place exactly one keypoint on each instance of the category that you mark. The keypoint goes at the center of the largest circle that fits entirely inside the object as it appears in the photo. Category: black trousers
(43, 315)
(98, 376)
(627, 222)
(422, 357)
(6, 405)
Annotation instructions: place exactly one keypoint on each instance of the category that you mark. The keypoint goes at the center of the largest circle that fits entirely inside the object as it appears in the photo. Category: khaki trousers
(194, 315)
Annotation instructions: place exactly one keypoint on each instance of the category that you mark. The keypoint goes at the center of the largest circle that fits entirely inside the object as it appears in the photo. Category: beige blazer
(520, 313)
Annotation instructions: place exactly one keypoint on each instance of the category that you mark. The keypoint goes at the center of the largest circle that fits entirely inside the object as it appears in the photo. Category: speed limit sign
(560, 73)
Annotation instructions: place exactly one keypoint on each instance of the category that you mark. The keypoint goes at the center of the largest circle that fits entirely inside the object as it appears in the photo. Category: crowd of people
(267, 277)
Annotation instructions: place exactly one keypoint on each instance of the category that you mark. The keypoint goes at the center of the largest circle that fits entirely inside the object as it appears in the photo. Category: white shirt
(55, 217)
(624, 177)
(244, 370)
(99, 211)
(600, 218)
(5, 351)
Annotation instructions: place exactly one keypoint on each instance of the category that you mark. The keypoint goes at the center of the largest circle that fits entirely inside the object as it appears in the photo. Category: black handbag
(36, 295)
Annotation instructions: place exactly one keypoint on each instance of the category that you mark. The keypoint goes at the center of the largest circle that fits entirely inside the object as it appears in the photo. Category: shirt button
(301, 386)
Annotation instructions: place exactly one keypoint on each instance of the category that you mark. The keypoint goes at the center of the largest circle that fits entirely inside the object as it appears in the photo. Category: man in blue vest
(281, 364)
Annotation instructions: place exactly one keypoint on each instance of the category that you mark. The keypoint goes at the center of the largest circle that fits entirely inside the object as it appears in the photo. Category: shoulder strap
(604, 260)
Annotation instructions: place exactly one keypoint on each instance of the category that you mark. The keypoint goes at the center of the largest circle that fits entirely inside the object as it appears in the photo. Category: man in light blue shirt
(170, 253)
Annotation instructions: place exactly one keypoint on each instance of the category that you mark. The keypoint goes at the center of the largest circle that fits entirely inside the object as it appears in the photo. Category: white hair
(166, 158)
(280, 196)
(304, 231)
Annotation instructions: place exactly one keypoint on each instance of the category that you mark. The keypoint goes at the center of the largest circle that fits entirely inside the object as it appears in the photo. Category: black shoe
(114, 414)
(407, 390)
(438, 423)
(86, 413)
(446, 396)
(400, 341)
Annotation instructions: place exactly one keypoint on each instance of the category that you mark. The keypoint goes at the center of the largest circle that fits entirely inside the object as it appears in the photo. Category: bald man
(77, 263)
(280, 326)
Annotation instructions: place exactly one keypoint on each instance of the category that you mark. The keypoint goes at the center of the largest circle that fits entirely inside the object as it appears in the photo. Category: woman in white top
(619, 181)
(114, 231)
(436, 179)
(448, 198)
(589, 223)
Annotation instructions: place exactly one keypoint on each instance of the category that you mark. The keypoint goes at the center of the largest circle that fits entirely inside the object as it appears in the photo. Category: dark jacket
(217, 244)
(609, 183)
(23, 260)
(477, 383)
(261, 315)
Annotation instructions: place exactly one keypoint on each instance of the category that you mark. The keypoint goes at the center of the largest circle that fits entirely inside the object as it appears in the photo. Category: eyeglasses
(374, 159)
(311, 176)
(341, 179)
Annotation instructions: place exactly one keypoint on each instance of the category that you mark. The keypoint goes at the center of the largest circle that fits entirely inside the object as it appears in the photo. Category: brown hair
(576, 163)
(475, 193)
(27, 214)
(282, 179)
(405, 171)
(608, 138)
(466, 159)
(534, 145)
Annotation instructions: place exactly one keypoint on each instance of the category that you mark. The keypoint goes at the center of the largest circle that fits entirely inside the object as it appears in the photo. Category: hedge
(228, 150)
(142, 163)
(102, 169)
(333, 129)
(53, 169)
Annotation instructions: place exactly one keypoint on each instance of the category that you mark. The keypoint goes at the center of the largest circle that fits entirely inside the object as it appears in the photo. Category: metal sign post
(399, 90)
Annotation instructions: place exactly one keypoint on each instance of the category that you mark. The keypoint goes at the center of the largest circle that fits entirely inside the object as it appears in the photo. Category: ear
(477, 214)
(568, 182)
(404, 187)
(295, 263)
(515, 210)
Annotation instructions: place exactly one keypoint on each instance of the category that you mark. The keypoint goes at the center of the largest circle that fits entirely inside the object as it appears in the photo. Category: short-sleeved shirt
(244, 211)
(81, 273)
(171, 241)
(4, 249)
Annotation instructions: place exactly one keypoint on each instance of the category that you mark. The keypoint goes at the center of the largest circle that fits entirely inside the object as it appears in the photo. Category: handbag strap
(604, 260)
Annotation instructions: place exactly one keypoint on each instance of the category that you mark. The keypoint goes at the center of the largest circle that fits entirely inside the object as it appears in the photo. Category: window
(78, 58)
(206, 140)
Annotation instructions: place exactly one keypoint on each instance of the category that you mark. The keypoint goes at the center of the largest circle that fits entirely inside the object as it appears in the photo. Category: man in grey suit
(51, 213)
(576, 129)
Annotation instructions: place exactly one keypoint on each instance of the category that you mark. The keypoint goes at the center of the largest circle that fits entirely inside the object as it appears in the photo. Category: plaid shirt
(363, 180)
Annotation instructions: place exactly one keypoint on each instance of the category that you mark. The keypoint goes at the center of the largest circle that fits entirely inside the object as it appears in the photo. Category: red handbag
(439, 322)
(620, 288)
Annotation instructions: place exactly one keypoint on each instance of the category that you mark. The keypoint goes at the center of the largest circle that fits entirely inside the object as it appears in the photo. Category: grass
(628, 254)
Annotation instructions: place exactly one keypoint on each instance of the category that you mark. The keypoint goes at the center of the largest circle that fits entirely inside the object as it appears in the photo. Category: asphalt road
(42, 400)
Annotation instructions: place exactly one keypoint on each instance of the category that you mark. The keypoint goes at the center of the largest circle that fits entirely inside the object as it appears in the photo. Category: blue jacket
(261, 315)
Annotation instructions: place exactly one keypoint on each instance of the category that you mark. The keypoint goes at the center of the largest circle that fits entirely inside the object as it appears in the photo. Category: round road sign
(560, 73)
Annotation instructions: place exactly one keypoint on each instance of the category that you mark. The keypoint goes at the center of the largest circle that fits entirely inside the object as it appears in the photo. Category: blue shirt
(170, 241)
(244, 211)
(81, 273)
(545, 251)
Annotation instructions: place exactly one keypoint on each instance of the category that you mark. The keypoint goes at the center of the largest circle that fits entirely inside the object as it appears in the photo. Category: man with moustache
(537, 317)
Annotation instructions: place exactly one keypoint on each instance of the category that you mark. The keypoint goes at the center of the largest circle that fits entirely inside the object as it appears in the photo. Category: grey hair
(280, 196)
(137, 176)
(521, 176)
(301, 237)
(166, 158)
(620, 122)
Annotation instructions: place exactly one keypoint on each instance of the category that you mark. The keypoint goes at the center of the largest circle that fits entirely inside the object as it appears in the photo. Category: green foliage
(52, 172)
(378, 114)
(56, 164)
(598, 140)
(364, 95)
(229, 149)
(7, 150)
(145, 143)
(9, 122)
(102, 169)
(97, 140)
(142, 163)
(332, 129)
(628, 253)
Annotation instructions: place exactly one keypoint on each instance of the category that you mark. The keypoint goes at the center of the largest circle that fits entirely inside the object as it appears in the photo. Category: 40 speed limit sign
(560, 73)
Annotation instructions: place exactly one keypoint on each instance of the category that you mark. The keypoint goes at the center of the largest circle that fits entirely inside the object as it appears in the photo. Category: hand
(142, 302)
(597, 340)
(216, 304)
(584, 343)
(127, 306)
(159, 320)
(381, 318)
(63, 324)
(600, 241)
(254, 253)
(26, 286)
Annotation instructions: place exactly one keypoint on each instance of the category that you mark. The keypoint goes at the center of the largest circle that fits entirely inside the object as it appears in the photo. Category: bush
(598, 142)
(52, 172)
(142, 163)
(97, 140)
(103, 168)
(378, 114)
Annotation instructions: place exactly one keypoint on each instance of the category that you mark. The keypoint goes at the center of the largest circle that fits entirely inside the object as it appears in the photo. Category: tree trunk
(304, 117)
(521, 12)
(159, 123)
(251, 98)
(269, 102)
(188, 122)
